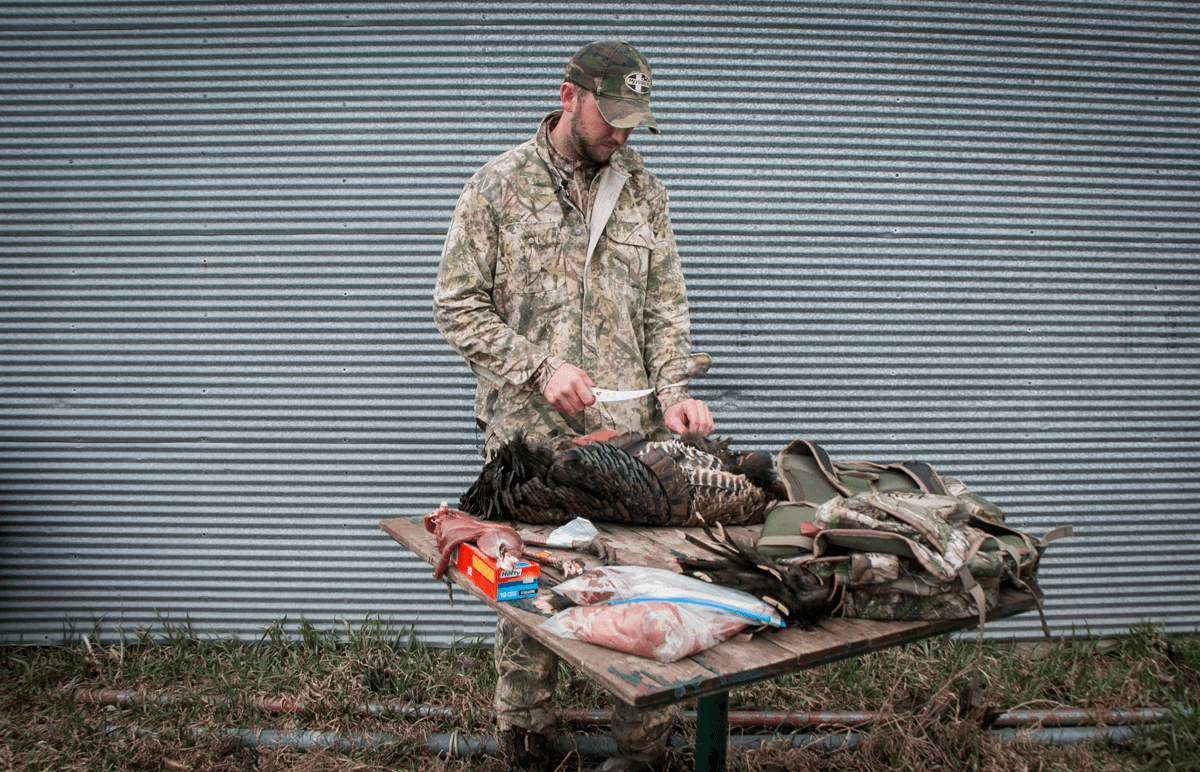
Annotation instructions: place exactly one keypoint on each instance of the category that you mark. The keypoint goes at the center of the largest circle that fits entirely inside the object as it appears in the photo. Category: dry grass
(939, 693)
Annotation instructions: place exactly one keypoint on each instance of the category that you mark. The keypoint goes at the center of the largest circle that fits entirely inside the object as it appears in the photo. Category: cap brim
(624, 114)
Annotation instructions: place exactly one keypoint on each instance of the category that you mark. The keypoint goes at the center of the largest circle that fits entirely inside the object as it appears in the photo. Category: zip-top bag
(899, 540)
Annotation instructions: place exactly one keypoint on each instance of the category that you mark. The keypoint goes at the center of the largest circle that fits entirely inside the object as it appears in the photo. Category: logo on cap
(638, 82)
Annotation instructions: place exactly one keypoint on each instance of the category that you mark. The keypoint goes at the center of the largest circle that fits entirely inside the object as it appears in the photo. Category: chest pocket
(533, 259)
(626, 250)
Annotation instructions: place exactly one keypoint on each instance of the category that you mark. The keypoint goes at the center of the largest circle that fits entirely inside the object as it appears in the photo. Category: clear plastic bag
(653, 612)
(621, 583)
(654, 629)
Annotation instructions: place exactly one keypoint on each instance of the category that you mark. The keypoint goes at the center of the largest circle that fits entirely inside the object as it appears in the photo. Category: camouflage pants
(527, 675)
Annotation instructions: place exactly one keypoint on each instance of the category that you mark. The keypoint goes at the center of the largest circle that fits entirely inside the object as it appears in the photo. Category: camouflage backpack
(901, 541)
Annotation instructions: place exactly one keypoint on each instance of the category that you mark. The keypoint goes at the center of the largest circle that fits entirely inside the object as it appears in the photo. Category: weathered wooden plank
(744, 659)
(642, 546)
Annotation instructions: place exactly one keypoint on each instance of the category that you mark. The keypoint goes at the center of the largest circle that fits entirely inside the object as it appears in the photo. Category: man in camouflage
(559, 274)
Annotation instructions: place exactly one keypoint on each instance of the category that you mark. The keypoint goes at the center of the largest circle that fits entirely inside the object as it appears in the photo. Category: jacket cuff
(541, 376)
(672, 396)
(674, 374)
(682, 368)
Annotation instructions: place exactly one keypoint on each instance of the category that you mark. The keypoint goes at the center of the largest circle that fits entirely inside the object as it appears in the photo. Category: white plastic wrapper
(579, 529)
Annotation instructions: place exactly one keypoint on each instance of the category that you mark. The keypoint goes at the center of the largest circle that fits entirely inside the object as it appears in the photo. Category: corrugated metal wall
(959, 231)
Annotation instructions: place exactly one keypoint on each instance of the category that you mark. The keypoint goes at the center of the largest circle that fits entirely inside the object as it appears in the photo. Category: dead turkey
(624, 478)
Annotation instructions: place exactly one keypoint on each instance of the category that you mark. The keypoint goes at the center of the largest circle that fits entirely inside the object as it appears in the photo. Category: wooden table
(708, 675)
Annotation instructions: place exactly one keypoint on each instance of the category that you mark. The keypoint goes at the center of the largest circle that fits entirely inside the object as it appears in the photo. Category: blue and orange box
(520, 582)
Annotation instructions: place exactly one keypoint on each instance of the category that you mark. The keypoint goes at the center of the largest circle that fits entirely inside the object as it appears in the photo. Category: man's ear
(568, 92)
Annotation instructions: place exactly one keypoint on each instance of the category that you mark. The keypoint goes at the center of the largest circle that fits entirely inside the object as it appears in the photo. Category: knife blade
(613, 395)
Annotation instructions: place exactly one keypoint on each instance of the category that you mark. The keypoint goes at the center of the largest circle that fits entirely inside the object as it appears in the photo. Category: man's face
(591, 138)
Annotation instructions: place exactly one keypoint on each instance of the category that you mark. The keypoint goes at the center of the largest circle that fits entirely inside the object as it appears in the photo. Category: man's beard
(587, 152)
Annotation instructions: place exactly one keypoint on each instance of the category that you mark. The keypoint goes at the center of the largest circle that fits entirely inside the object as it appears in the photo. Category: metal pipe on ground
(585, 745)
(1013, 719)
(464, 746)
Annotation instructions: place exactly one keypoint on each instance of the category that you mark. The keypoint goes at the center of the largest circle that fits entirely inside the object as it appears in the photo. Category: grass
(937, 692)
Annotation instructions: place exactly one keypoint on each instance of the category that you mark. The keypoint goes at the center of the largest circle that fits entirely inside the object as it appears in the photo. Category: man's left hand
(690, 415)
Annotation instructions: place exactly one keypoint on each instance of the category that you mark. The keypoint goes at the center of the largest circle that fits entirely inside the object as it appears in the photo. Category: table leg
(712, 732)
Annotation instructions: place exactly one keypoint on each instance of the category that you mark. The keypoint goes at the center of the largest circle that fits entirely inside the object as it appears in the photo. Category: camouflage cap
(620, 78)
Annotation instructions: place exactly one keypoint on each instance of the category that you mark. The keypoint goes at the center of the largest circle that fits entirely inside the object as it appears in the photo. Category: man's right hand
(567, 389)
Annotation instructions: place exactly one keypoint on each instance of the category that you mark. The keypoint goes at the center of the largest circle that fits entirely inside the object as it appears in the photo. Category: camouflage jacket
(517, 295)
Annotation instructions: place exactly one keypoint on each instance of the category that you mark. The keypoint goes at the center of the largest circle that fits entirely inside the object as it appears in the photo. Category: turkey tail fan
(513, 465)
(529, 460)
(676, 487)
(800, 596)
(621, 484)
(653, 489)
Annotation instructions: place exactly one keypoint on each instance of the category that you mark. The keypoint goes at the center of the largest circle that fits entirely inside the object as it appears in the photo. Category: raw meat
(452, 528)
(660, 630)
